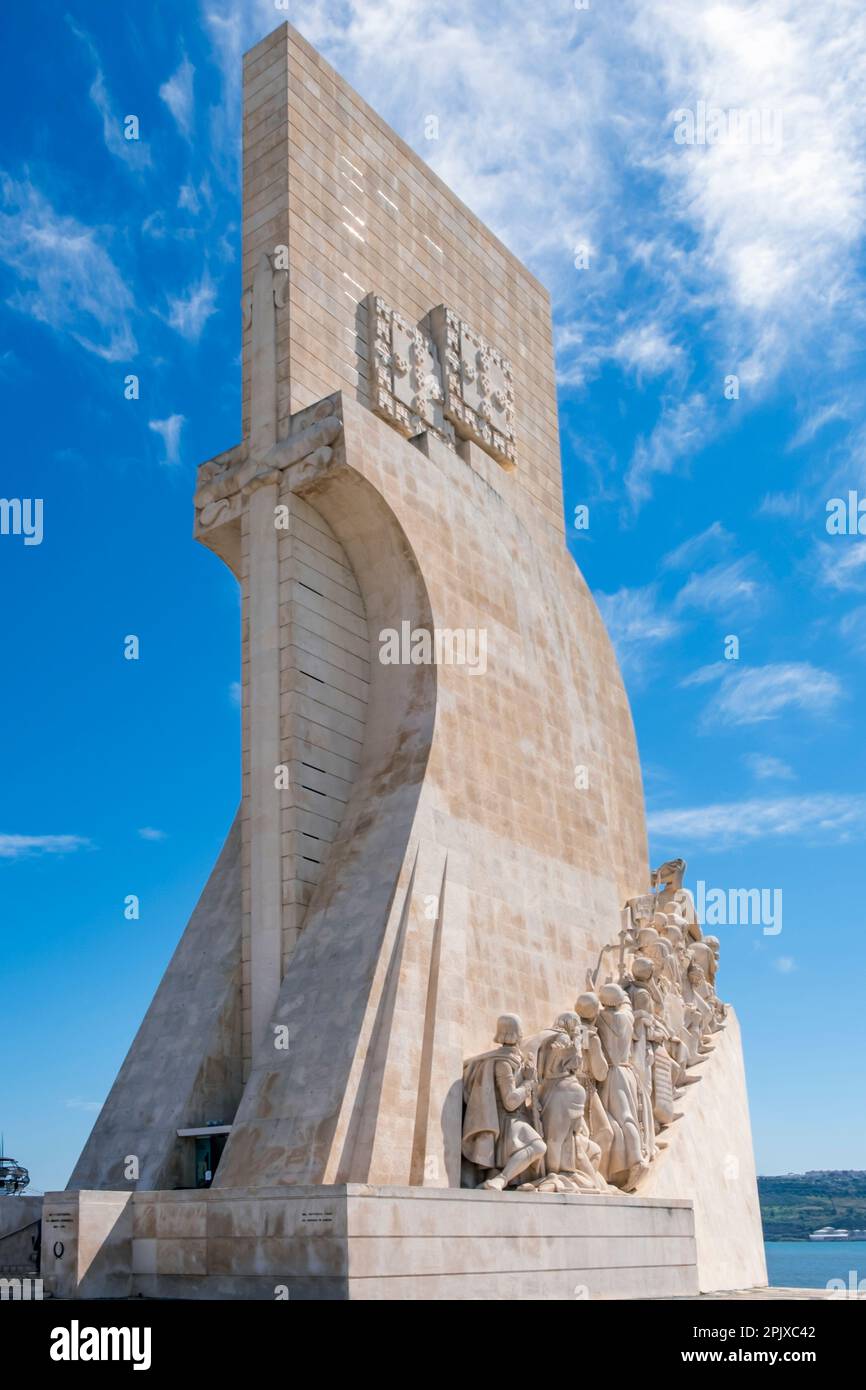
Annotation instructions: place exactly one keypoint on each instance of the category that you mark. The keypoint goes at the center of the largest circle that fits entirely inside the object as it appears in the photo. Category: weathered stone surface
(359, 1242)
(710, 1160)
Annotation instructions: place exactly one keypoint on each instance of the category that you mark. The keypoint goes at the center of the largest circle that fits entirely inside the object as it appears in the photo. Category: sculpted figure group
(582, 1106)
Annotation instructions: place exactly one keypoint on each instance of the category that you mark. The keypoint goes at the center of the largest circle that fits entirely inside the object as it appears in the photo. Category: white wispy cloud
(781, 505)
(811, 427)
(66, 276)
(232, 29)
(785, 965)
(647, 349)
(148, 832)
(189, 312)
(637, 625)
(713, 539)
(177, 93)
(90, 1106)
(22, 846)
(852, 628)
(818, 818)
(721, 588)
(133, 153)
(755, 694)
(705, 675)
(169, 431)
(681, 431)
(235, 693)
(842, 563)
(187, 198)
(767, 768)
(777, 226)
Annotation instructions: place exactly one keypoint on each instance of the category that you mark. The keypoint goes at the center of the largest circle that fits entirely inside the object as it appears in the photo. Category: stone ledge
(388, 1243)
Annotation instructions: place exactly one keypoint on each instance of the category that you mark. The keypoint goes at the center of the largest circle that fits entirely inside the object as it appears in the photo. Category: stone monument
(441, 816)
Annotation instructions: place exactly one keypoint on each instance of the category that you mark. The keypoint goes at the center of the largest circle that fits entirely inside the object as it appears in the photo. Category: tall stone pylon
(442, 810)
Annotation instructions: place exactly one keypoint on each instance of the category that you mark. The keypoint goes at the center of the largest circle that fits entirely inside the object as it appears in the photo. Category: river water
(810, 1264)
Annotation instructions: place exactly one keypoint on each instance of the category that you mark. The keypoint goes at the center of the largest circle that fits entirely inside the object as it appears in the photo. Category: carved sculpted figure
(620, 1092)
(572, 1158)
(667, 879)
(655, 1064)
(500, 1133)
(591, 1072)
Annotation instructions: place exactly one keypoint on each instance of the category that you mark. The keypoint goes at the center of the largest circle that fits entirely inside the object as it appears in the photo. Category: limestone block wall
(709, 1159)
(87, 1244)
(325, 662)
(359, 211)
(324, 665)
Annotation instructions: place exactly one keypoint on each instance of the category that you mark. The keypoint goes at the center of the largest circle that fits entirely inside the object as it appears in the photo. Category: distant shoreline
(795, 1205)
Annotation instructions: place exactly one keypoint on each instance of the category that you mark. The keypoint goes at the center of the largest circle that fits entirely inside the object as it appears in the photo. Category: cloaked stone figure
(621, 1092)
(501, 1132)
(591, 1072)
(653, 1062)
(572, 1158)
(687, 1012)
(705, 958)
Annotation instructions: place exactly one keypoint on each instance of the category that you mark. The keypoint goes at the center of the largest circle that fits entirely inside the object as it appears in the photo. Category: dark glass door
(208, 1152)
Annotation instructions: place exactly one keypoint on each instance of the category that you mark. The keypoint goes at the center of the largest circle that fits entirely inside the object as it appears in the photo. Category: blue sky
(673, 267)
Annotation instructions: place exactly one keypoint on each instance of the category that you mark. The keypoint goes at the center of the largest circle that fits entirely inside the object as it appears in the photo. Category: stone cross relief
(248, 477)
(263, 457)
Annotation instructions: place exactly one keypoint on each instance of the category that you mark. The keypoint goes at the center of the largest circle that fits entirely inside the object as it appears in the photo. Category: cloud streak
(766, 768)
(25, 846)
(169, 432)
(189, 312)
(67, 279)
(722, 588)
(134, 153)
(177, 93)
(756, 694)
(637, 625)
(821, 818)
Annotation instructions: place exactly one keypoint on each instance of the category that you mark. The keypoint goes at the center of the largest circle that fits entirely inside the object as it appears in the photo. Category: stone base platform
(779, 1295)
(359, 1242)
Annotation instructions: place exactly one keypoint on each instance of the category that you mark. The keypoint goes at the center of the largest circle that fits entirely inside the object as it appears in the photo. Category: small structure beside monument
(20, 1233)
(440, 842)
(14, 1177)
